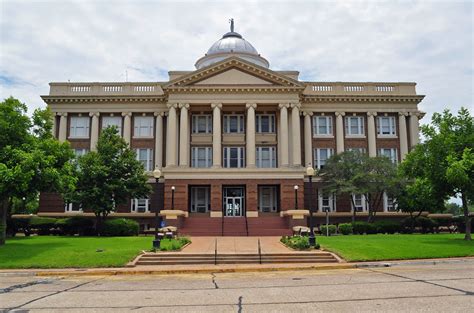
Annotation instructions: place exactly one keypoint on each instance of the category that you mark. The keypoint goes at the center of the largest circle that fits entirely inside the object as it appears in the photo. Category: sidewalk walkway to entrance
(236, 245)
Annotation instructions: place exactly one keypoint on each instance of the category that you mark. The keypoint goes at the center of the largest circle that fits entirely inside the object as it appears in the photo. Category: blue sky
(428, 42)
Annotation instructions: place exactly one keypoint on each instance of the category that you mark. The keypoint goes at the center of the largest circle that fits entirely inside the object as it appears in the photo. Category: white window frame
(112, 121)
(195, 123)
(148, 162)
(392, 131)
(393, 154)
(389, 204)
(140, 202)
(271, 207)
(316, 126)
(259, 157)
(240, 123)
(331, 201)
(317, 156)
(240, 157)
(363, 204)
(360, 126)
(79, 124)
(195, 157)
(271, 123)
(68, 208)
(143, 126)
(78, 152)
(193, 203)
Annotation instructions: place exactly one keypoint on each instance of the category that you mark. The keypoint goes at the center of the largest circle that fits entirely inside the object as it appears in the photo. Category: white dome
(231, 44)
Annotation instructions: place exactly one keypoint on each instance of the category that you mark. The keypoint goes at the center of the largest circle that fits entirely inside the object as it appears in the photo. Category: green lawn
(397, 247)
(61, 252)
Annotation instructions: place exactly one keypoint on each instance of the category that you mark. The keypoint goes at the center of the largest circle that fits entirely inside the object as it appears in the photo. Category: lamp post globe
(295, 187)
(157, 173)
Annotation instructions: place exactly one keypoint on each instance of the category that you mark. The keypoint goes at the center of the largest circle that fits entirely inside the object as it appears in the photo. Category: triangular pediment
(233, 72)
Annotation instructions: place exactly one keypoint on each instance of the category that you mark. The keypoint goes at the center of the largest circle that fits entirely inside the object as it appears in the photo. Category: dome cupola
(230, 45)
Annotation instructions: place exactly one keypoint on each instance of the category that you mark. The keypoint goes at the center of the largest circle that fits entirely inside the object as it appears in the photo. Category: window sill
(355, 136)
(387, 136)
(142, 137)
(77, 137)
(323, 136)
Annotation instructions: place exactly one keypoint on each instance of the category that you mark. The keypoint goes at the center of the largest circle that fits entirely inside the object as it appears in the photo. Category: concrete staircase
(197, 259)
(268, 226)
(235, 226)
(201, 226)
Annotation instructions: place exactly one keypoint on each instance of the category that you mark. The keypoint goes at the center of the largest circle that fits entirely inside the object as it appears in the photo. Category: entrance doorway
(234, 201)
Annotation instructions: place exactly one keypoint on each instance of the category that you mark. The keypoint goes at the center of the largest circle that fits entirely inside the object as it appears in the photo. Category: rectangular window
(234, 157)
(80, 152)
(202, 123)
(143, 126)
(266, 157)
(234, 124)
(390, 153)
(321, 155)
(322, 125)
(326, 201)
(265, 123)
(354, 125)
(79, 127)
(201, 157)
(200, 199)
(389, 203)
(72, 207)
(141, 205)
(359, 203)
(360, 150)
(145, 156)
(112, 121)
(268, 198)
(386, 126)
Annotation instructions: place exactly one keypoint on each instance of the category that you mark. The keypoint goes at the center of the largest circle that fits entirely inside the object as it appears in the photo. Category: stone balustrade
(105, 89)
(364, 89)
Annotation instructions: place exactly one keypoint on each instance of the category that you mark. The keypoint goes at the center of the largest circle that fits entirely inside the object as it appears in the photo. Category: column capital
(126, 113)
(307, 113)
(339, 113)
(251, 105)
(170, 105)
(94, 114)
(371, 113)
(295, 105)
(184, 106)
(418, 114)
(402, 113)
(61, 113)
(159, 114)
(283, 105)
(216, 105)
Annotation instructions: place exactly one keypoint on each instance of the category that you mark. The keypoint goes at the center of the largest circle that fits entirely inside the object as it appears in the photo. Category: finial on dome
(231, 25)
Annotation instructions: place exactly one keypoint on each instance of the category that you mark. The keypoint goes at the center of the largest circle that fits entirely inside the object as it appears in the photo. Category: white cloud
(428, 42)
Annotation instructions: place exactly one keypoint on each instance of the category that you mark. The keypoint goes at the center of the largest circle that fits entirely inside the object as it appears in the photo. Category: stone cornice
(355, 98)
(92, 99)
(234, 89)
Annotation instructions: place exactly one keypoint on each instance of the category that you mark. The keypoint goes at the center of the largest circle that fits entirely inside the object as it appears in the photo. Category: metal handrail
(259, 251)
(215, 252)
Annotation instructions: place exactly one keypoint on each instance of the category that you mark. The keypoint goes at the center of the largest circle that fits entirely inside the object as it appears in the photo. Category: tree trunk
(467, 218)
(3, 221)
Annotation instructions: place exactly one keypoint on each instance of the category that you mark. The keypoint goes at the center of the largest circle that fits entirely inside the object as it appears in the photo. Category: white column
(340, 132)
(296, 133)
(62, 127)
(159, 140)
(283, 140)
(216, 135)
(414, 129)
(171, 136)
(250, 134)
(53, 129)
(94, 130)
(127, 126)
(308, 139)
(183, 135)
(402, 131)
(371, 133)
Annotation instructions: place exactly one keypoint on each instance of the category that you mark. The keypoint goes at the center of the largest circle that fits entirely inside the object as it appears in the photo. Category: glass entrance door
(233, 201)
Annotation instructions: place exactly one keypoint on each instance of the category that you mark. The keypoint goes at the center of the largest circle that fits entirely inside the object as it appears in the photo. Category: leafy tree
(31, 160)
(108, 177)
(355, 173)
(453, 208)
(445, 159)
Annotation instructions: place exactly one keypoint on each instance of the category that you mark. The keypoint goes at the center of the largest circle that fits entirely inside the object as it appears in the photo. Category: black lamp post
(296, 196)
(157, 240)
(312, 239)
(172, 197)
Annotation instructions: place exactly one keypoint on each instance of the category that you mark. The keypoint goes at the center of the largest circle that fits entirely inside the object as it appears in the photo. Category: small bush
(43, 225)
(174, 243)
(120, 227)
(80, 225)
(387, 227)
(15, 225)
(345, 229)
(296, 242)
(461, 224)
(331, 229)
(428, 225)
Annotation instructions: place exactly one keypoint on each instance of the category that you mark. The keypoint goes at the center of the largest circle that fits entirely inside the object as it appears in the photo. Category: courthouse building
(233, 138)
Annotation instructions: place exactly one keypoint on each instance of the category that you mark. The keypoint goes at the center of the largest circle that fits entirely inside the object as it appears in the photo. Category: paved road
(414, 288)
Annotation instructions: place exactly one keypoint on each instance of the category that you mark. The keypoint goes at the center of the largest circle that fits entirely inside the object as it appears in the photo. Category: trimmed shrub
(80, 225)
(15, 225)
(331, 229)
(296, 242)
(427, 225)
(43, 225)
(387, 227)
(120, 227)
(363, 228)
(345, 229)
(461, 224)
